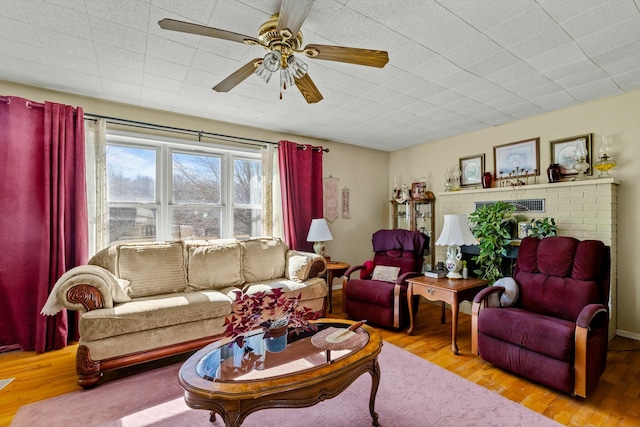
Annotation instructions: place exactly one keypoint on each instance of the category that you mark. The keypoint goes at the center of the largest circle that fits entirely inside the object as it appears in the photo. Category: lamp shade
(319, 231)
(456, 232)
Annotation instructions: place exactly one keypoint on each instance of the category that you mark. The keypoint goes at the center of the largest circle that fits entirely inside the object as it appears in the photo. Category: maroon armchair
(380, 302)
(556, 333)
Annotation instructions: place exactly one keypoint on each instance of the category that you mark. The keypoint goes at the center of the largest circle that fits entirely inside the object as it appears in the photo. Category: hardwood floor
(614, 402)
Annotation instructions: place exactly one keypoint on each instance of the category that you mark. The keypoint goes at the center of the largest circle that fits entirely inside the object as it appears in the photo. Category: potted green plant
(491, 225)
(543, 227)
(272, 311)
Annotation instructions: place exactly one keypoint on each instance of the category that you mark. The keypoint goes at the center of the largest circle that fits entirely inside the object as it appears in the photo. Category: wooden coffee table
(451, 291)
(235, 382)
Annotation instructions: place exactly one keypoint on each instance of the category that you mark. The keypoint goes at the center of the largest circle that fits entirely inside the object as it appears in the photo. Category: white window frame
(165, 147)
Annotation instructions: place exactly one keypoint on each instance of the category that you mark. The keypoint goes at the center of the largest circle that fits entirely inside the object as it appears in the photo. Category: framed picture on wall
(471, 169)
(516, 157)
(563, 152)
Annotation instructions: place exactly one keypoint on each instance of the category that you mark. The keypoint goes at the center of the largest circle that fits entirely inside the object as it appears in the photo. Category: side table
(448, 291)
(334, 269)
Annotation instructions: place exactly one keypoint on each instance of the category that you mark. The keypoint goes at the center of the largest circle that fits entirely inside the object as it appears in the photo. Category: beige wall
(367, 184)
(617, 116)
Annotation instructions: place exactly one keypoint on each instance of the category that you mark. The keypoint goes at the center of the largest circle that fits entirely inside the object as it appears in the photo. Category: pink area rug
(413, 392)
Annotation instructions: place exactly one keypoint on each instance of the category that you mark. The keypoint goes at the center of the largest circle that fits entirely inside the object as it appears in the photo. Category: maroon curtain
(43, 217)
(301, 184)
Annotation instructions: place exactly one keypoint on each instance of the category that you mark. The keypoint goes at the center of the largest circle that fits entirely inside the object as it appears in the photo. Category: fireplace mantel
(546, 187)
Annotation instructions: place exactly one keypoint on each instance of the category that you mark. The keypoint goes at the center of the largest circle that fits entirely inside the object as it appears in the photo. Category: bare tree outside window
(196, 179)
(247, 179)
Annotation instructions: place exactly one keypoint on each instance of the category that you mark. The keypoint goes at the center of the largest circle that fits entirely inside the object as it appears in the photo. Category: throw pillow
(511, 291)
(366, 272)
(298, 266)
(385, 273)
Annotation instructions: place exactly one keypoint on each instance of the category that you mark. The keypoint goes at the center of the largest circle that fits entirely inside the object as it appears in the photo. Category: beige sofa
(144, 301)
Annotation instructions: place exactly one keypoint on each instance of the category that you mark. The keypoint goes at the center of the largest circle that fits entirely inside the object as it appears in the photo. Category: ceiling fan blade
(292, 14)
(187, 27)
(237, 77)
(352, 55)
(308, 89)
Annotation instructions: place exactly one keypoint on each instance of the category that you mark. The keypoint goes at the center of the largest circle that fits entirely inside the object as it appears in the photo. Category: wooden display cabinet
(418, 215)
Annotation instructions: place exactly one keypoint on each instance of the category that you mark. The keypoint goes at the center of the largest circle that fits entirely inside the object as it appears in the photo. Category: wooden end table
(334, 269)
(451, 291)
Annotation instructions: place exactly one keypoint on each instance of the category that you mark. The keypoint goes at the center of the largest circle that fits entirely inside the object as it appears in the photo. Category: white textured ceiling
(455, 65)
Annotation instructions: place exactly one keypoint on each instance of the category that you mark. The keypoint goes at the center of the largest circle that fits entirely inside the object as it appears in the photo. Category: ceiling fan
(281, 37)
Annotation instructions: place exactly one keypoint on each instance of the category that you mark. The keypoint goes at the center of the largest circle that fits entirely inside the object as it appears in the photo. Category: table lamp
(319, 233)
(455, 233)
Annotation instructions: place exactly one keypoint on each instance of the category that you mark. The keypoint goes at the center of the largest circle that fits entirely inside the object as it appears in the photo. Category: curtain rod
(199, 133)
(145, 125)
(30, 104)
(304, 147)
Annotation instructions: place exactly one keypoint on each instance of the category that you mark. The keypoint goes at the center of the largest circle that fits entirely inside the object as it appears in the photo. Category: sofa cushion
(214, 266)
(558, 277)
(310, 289)
(372, 292)
(398, 258)
(152, 269)
(263, 259)
(154, 312)
(530, 330)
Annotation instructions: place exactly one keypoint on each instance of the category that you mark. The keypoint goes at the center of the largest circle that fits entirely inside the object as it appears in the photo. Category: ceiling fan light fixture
(286, 78)
(297, 66)
(269, 64)
(272, 61)
(263, 72)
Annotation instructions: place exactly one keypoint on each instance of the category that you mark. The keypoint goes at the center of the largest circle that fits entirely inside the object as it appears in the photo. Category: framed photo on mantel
(471, 170)
(516, 157)
(563, 152)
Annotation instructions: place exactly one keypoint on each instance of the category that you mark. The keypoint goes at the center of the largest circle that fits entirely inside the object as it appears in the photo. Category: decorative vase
(465, 272)
(276, 339)
(486, 180)
(454, 262)
(554, 172)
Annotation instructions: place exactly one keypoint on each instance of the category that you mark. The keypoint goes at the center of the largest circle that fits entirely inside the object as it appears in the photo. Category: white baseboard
(627, 334)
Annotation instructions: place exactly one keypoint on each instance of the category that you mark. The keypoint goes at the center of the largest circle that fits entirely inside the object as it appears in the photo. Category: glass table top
(228, 362)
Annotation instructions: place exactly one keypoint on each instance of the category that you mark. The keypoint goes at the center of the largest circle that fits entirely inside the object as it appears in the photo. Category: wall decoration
(563, 152)
(517, 158)
(330, 194)
(472, 168)
(346, 213)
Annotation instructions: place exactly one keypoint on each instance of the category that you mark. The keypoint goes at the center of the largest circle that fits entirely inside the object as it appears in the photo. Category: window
(160, 189)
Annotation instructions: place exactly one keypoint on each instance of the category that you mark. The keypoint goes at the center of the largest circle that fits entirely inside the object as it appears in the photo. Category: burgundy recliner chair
(557, 332)
(384, 303)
